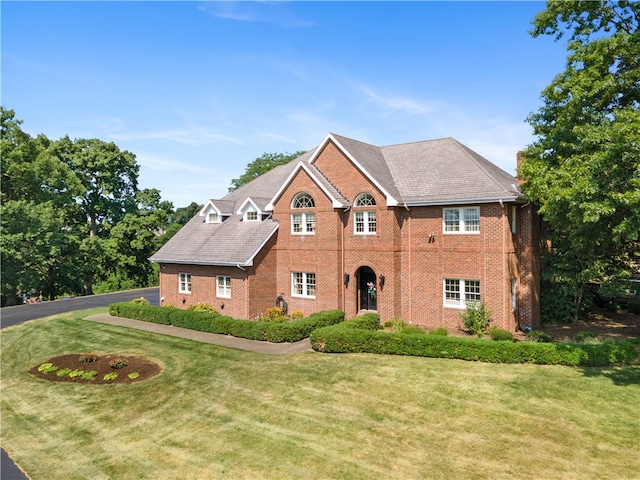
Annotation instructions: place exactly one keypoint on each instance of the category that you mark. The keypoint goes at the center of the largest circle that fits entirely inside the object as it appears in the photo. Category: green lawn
(221, 413)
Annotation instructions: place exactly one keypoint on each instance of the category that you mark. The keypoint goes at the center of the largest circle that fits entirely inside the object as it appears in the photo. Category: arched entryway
(367, 289)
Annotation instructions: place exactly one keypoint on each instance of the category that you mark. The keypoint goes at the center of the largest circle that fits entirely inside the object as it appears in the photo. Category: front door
(367, 289)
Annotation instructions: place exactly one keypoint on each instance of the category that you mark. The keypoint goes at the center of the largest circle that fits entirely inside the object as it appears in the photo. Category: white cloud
(275, 13)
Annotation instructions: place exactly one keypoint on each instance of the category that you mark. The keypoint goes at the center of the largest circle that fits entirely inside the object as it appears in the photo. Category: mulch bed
(145, 368)
(603, 323)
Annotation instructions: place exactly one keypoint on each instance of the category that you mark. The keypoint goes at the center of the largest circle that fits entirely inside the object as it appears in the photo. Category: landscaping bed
(96, 369)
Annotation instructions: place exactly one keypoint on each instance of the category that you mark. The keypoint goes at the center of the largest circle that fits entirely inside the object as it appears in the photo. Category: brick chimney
(519, 161)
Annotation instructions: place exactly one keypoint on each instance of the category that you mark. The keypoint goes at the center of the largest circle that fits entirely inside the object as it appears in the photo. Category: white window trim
(223, 291)
(463, 302)
(367, 222)
(246, 216)
(305, 285)
(303, 216)
(461, 222)
(184, 280)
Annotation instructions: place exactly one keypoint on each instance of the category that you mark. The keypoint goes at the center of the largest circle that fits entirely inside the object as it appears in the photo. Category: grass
(222, 413)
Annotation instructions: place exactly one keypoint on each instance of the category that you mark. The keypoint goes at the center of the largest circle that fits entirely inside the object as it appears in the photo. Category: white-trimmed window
(303, 222)
(461, 220)
(458, 293)
(213, 217)
(303, 284)
(364, 221)
(223, 286)
(184, 283)
(251, 216)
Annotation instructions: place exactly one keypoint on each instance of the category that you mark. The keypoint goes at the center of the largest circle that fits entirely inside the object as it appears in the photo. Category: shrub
(89, 375)
(215, 323)
(47, 368)
(140, 301)
(274, 312)
(538, 336)
(442, 331)
(63, 372)
(476, 318)
(76, 373)
(88, 358)
(110, 376)
(352, 337)
(118, 363)
(582, 337)
(296, 314)
(133, 375)
(500, 334)
(202, 307)
(412, 329)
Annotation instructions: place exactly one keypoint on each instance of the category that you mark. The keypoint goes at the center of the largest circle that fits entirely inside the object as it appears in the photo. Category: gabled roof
(434, 172)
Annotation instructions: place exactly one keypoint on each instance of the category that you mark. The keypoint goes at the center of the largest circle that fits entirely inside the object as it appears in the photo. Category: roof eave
(461, 201)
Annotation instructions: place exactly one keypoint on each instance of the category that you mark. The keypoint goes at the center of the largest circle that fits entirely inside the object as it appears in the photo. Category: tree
(262, 165)
(108, 179)
(183, 214)
(583, 170)
(138, 236)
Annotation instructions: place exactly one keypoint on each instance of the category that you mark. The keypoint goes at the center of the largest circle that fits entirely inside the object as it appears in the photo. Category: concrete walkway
(204, 337)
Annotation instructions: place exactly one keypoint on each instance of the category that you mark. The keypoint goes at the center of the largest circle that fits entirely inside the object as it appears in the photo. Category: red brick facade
(409, 249)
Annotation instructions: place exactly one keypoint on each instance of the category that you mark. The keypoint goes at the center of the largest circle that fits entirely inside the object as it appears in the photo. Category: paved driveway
(14, 315)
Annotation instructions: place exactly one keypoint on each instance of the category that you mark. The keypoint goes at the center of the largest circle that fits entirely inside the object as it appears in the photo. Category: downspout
(342, 260)
(410, 269)
(246, 291)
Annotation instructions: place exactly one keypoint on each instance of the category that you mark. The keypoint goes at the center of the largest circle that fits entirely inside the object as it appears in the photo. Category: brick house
(412, 231)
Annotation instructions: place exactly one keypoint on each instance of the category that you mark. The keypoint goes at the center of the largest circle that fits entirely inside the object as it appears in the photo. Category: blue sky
(197, 90)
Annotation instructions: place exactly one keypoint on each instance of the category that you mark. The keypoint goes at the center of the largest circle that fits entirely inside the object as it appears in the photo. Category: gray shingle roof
(232, 242)
(434, 172)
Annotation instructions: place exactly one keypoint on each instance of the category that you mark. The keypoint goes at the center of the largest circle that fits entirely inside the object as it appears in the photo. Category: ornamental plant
(110, 376)
(88, 358)
(118, 363)
(202, 307)
(476, 318)
(47, 368)
(133, 375)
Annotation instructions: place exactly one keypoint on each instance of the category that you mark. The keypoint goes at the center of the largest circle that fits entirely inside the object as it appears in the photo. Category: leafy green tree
(107, 180)
(583, 170)
(183, 214)
(138, 236)
(262, 165)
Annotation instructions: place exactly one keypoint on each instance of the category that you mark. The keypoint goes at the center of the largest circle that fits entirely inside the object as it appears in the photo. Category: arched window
(303, 200)
(365, 200)
(364, 216)
(303, 222)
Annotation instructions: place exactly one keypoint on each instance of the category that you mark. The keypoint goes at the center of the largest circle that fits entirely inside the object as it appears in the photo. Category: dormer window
(251, 216)
(303, 222)
(213, 217)
(364, 215)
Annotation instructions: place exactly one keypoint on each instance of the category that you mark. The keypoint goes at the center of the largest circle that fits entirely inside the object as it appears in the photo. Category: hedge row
(357, 336)
(224, 325)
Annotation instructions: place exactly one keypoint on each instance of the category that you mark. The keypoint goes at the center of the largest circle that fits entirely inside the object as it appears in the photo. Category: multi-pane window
(213, 217)
(184, 282)
(458, 293)
(303, 284)
(251, 216)
(223, 286)
(364, 220)
(461, 220)
(303, 222)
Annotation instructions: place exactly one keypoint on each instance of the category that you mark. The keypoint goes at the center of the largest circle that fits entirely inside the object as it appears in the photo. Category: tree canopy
(72, 214)
(262, 165)
(583, 170)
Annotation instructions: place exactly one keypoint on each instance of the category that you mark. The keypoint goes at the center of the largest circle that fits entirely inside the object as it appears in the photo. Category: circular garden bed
(96, 369)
